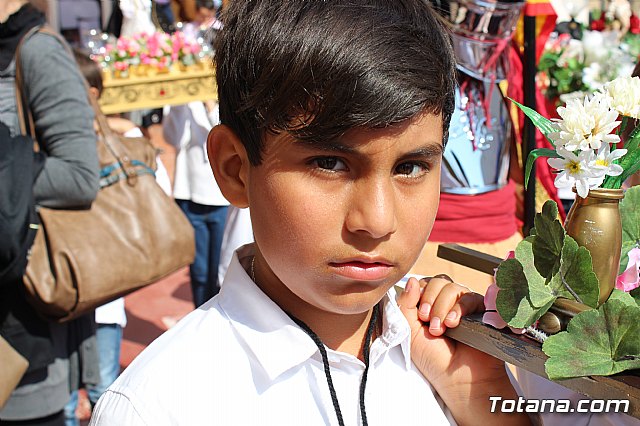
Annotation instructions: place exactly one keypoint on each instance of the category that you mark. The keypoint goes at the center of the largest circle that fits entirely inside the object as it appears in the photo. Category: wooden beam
(527, 354)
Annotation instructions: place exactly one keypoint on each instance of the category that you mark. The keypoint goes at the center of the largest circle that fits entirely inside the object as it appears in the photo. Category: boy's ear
(230, 164)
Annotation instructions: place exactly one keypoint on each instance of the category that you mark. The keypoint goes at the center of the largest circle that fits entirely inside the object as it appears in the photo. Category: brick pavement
(169, 297)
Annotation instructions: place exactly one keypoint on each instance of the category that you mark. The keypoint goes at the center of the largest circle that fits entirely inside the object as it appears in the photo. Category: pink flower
(630, 278)
(492, 316)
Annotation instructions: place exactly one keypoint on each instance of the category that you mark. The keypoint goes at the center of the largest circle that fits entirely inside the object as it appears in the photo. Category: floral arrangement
(143, 52)
(549, 264)
(586, 135)
(569, 68)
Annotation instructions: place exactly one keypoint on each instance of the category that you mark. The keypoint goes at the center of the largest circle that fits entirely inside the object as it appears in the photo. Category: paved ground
(170, 297)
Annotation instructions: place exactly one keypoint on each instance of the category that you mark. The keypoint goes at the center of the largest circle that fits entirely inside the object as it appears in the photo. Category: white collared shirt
(240, 360)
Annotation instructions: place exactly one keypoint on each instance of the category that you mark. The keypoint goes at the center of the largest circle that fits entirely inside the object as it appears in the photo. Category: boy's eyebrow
(430, 150)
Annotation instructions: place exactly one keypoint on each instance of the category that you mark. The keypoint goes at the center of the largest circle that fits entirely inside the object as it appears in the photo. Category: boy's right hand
(464, 377)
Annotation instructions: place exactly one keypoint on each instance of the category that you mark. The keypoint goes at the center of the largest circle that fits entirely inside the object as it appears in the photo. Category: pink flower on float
(492, 316)
(630, 278)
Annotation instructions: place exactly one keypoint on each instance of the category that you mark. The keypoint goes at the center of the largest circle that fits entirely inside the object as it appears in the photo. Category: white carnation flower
(585, 125)
(624, 94)
(575, 170)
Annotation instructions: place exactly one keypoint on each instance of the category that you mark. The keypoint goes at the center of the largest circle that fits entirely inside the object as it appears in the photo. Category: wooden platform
(527, 354)
(157, 90)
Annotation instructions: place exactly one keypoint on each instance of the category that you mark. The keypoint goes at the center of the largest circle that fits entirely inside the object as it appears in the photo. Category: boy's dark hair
(318, 68)
(89, 69)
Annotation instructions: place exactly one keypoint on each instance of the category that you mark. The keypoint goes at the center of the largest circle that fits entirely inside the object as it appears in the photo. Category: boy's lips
(363, 269)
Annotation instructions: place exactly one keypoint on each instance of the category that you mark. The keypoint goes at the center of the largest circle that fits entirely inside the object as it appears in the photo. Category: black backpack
(19, 166)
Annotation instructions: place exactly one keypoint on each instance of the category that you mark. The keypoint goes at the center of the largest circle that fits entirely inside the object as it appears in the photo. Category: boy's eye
(411, 169)
(329, 163)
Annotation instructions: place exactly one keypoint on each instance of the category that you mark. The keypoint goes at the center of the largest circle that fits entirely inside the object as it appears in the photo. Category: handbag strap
(25, 119)
(109, 138)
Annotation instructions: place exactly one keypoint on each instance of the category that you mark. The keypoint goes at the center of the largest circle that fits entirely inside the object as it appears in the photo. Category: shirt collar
(263, 325)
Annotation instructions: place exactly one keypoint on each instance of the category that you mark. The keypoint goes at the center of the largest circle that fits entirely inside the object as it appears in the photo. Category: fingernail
(434, 324)
(425, 309)
(452, 315)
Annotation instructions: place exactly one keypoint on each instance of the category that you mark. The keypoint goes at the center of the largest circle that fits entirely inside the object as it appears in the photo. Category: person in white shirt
(334, 117)
(186, 127)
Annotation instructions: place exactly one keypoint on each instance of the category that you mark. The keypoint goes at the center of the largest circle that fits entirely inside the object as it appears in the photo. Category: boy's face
(338, 225)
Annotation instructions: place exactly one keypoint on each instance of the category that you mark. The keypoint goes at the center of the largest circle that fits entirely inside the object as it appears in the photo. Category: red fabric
(482, 218)
(634, 24)
(598, 24)
(538, 8)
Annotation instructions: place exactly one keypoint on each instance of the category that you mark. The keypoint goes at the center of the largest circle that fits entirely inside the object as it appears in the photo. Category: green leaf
(630, 162)
(513, 301)
(624, 297)
(635, 294)
(597, 342)
(576, 279)
(539, 294)
(548, 242)
(542, 123)
(533, 156)
(630, 216)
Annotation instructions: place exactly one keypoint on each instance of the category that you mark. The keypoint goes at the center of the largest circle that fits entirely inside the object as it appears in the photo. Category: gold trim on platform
(179, 86)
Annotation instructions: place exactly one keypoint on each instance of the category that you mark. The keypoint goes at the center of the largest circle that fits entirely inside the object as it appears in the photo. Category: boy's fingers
(434, 286)
(445, 311)
(469, 303)
(408, 299)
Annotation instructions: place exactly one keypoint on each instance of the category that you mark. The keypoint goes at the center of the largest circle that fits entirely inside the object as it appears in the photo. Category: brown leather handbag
(133, 235)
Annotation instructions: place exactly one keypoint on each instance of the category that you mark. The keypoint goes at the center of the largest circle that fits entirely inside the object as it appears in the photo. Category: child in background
(334, 117)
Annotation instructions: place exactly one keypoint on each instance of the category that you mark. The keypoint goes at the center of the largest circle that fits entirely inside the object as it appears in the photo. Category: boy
(333, 120)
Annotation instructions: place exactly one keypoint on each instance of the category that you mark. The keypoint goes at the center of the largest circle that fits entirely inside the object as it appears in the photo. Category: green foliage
(523, 295)
(630, 216)
(630, 162)
(542, 123)
(565, 78)
(578, 281)
(635, 294)
(597, 342)
(547, 265)
(545, 126)
(533, 156)
(513, 301)
(547, 244)
(624, 297)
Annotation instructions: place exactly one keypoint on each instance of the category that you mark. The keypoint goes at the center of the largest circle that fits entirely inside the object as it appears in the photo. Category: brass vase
(594, 222)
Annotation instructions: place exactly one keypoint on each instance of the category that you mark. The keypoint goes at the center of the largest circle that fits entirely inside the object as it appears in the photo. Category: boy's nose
(372, 209)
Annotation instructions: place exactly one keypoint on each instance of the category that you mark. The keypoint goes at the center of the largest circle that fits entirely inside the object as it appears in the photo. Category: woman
(57, 99)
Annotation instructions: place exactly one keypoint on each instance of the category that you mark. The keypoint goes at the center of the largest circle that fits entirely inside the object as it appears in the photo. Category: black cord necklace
(325, 361)
(327, 370)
